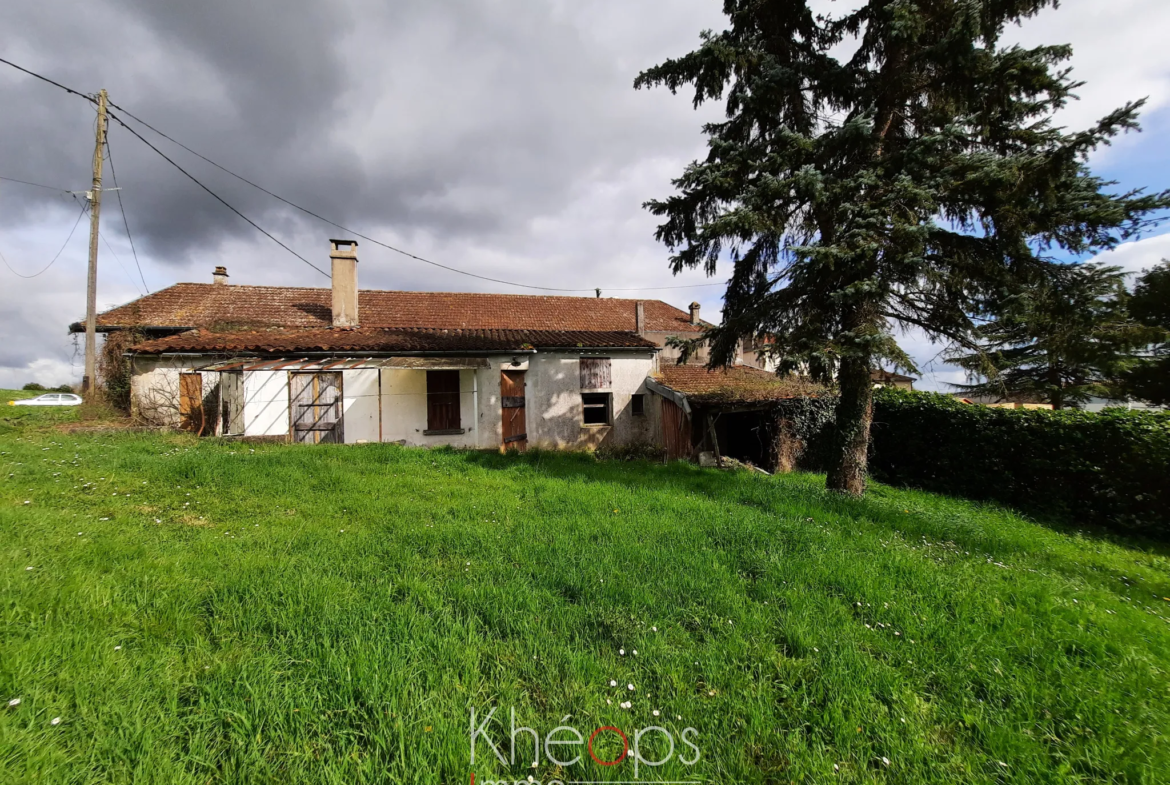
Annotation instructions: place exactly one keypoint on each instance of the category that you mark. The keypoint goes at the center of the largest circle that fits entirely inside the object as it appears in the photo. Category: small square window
(596, 408)
(638, 404)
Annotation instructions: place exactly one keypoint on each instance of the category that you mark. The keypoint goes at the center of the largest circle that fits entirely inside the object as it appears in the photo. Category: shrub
(114, 368)
(34, 387)
(64, 388)
(1110, 469)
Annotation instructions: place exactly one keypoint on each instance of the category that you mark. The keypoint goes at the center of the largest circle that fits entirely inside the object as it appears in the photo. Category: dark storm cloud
(464, 117)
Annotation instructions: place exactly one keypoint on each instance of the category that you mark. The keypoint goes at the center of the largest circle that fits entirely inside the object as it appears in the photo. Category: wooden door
(231, 393)
(316, 408)
(676, 431)
(512, 401)
(191, 402)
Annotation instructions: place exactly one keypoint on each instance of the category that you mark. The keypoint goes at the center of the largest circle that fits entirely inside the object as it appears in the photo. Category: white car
(50, 399)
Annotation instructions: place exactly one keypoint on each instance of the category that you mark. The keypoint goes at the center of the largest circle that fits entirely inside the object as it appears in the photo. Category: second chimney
(343, 254)
(220, 276)
(640, 317)
(695, 314)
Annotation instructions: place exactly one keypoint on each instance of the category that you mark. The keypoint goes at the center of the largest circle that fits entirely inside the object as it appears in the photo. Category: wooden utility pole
(89, 382)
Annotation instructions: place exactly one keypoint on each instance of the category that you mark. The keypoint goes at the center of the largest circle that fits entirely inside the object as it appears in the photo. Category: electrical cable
(118, 259)
(310, 212)
(38, 185)
(217, 197)
(387, 246)
(122, 207)
(55, 258)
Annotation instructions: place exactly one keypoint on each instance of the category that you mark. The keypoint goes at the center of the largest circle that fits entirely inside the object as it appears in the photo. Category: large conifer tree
(1064, 341)
(910, 182)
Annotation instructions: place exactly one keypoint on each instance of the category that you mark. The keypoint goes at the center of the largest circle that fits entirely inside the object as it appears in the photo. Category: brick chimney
(220, 276)
(343, 254)
(695, 314)
(640, 317)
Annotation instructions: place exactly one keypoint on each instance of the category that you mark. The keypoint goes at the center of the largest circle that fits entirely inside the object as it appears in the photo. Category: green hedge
(1110, 469)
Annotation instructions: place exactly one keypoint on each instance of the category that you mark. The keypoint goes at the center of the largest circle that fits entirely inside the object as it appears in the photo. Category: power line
(55, 258)
(38, 185)
(387, 246)
(47, 79)
(310, 212)
(117, 258)
(217, 197)
(125, 221)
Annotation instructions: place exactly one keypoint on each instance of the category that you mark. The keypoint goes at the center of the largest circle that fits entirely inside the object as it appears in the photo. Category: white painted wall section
(266, 403)
(404, 409)
(360, 402)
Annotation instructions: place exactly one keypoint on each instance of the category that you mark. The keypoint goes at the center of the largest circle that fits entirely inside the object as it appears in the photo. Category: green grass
(202, 611)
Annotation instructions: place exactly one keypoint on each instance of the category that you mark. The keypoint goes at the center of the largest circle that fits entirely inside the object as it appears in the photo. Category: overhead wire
(122, 207)
(385, 245)
(55, 258)
(216, 196)
(310, 212)
(37, 185)
(118, 259)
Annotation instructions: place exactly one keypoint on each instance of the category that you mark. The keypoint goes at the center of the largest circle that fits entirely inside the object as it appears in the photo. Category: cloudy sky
(498, 136)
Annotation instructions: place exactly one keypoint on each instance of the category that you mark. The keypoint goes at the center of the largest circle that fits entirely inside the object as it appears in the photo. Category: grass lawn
(202, 611)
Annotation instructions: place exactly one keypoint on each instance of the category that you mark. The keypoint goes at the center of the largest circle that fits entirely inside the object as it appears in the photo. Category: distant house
(881, 378)
(482, 371)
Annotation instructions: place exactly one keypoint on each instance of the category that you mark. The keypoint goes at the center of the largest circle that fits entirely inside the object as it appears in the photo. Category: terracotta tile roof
(367, 339)
(191, 305)
(738, 384)
(889, 376)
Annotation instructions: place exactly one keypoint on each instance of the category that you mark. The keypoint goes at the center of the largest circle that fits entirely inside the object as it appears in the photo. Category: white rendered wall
(154, 387)
(404, 409)
(555, 415)
(360, 403)
(266, 403)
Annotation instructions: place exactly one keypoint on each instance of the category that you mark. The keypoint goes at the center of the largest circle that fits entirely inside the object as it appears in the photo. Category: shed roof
(735, 385)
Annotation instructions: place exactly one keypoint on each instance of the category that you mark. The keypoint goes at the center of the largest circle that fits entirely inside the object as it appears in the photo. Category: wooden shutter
(443, 401)
(595, 373)
(191, 402)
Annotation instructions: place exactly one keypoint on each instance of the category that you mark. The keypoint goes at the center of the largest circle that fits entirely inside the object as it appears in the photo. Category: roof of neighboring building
(736, 385)
(880, 375)
(371, 339)
(223, 307)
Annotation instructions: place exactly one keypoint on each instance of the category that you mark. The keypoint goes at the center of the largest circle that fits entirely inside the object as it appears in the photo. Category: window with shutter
(595, 374)
(442, 402)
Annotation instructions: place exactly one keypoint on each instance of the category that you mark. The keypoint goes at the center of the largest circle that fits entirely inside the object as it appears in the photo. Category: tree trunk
(854, 416)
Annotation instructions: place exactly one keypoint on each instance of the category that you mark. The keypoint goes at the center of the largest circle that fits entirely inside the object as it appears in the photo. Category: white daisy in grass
(14, 702)
(655, 712)
(55, 721)
(612, 683)
(630, 687)
(626, 704)
(622, 652)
